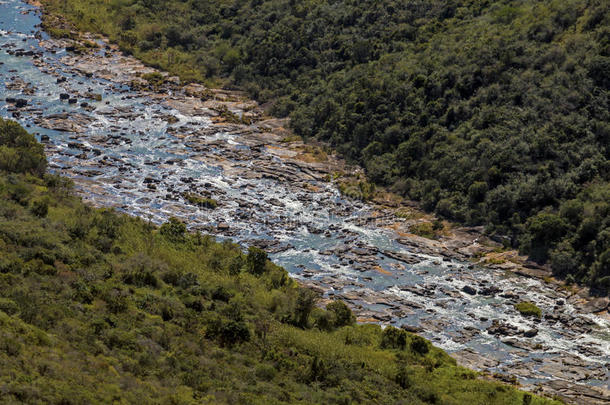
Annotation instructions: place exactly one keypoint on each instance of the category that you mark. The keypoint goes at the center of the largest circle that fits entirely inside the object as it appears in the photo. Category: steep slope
(487, 112)
(97, 307)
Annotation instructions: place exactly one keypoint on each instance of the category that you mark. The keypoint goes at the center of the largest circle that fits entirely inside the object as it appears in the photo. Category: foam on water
(444, 307)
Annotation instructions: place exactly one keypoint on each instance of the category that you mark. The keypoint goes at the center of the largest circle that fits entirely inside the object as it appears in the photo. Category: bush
(40, 207)
(173, 229)
(202, 202)
(403, 378)
(8, 306)
(323, 320)
(228, 332)
(527, 308)
(256, 260)
(343, 316)
(305, 302)
(265, 372)
(393, 338)
(19, 150)
(419, 345)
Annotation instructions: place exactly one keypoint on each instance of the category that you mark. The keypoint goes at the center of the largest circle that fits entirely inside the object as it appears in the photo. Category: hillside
(487, 112)
(98, 307)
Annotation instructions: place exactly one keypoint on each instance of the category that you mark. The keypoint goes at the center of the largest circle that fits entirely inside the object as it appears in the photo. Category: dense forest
(98, 307)
(488, 112)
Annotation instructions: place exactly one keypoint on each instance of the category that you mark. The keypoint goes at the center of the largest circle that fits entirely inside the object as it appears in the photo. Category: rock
(509, 295)
(500, 328)
(530, 333)
(72, 101)
(490, 291)
(519, 344)
(469, 358)
(20, 103)
(412, 329)
(469, 290)
(402, 257)
(467, 334)
(596, 305)
(223, 226)
(64, 96)
(68, 122)
(576, 393)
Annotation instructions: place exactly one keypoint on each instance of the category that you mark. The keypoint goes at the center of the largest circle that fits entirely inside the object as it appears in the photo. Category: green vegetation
(200, 201)
(97, 307)
(427, 229)
(229, 116)
(356, 188)
(488, 112)
(527, 308)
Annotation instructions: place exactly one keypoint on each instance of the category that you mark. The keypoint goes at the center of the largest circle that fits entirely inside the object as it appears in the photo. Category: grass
(99, 307)
(200, 201)
(527, 308)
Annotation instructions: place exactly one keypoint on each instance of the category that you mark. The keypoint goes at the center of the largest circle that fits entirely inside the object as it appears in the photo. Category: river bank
(143, 147)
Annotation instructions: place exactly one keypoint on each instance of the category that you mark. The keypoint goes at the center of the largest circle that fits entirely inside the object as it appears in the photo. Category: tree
(419, 345)
(342, 314)
(173, 229)
(393, 338)
(305, 302)
(256, 260)
(543, 231)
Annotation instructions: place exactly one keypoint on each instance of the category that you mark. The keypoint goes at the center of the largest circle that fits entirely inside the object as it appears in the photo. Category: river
(139, 152)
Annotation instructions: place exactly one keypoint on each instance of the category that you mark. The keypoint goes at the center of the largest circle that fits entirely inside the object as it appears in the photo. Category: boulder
(530, 333)
(500, 328)
(469, 290)
(490, 291)
(412, 329)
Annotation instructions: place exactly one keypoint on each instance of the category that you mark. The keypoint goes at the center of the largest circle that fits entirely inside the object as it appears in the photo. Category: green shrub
(265, 372)
(173, 229)
(19, 150)
(256, 260)
(423, 229)
(201, 201)
(154, 78)
(8, 306)
(528, 309)
(393, 338)
(228, 332)
(343, 316)
(323, 320)
(419, 345)
(305, 302)
(403, 378)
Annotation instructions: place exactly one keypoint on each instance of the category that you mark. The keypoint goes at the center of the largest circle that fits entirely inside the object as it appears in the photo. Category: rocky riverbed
(161, 149)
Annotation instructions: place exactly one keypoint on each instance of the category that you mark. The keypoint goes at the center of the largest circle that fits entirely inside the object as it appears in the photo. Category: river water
(126, 154)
